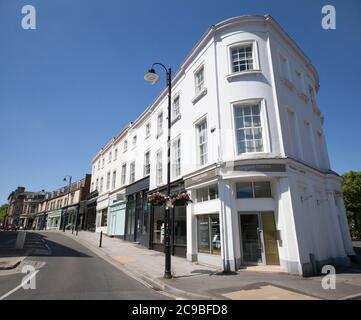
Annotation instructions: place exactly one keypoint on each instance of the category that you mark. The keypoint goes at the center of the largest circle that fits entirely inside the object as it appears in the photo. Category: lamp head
(151, 76)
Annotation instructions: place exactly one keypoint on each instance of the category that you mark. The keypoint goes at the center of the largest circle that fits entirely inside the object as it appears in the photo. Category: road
(71, 271)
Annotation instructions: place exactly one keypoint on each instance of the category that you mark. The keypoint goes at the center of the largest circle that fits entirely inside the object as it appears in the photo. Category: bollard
(101, 239)
(72, 230)
(76, 231)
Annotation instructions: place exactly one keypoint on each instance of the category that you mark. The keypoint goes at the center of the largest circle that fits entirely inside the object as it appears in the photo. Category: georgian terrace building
(23, 206)
(247, 144)
(63, 207)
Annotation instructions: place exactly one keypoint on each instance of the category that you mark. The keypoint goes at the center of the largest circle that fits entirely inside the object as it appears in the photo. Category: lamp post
(152, 77)
(67, 178)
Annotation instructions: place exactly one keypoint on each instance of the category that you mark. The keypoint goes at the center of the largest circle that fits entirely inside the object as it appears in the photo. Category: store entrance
(259, 238)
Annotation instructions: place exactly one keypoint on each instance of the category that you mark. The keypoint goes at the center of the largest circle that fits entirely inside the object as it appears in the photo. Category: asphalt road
(71, 271)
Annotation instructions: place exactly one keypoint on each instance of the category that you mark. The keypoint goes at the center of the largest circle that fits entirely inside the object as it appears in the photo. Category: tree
(352, 197)
(3, 211)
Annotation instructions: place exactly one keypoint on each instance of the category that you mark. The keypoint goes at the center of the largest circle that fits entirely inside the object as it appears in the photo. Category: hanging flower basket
(180, 199)
(157, 199)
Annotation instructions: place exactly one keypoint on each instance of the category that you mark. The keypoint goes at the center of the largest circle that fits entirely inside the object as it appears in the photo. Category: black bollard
(101, 239)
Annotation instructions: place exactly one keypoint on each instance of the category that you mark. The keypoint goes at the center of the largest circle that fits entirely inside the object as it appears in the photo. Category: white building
(247, 144)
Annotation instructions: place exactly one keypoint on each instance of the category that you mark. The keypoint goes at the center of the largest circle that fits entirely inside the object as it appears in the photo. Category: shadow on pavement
(36, 245)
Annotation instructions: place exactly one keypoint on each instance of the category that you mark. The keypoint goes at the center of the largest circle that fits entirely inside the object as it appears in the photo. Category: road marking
(25, 280)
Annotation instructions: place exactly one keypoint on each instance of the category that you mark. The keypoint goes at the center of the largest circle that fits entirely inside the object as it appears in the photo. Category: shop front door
(259, 238)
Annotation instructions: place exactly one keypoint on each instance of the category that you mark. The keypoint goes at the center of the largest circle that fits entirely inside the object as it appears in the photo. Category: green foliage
(352, 198)
(3, 211)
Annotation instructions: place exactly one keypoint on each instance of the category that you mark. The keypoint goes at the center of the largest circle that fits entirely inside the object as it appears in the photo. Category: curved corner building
(247, 144)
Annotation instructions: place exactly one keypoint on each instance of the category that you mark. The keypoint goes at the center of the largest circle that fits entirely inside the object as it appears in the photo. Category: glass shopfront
(209, 234)
(180, 225)
(178, 229)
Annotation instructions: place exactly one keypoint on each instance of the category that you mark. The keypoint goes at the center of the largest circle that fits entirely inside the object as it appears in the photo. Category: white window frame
(108, 180)
(159, 167)
(114, 179)
(110, 155)
(174, 114)
(101, 185)
(115, 154)
(264, 124)
(147, 165)
(125, 145)
(134, 141)
(160, 128)
(148, 129)
(255, 56)
(123, 178)
(198, 91)
(132, 172)
(242, 44)
(198, 146)
(176, 157)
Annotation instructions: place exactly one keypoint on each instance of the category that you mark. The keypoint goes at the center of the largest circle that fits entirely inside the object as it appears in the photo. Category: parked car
(11, 227)
(1, 226)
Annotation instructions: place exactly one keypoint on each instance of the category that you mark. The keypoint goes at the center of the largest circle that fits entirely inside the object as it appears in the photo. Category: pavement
(194, 281)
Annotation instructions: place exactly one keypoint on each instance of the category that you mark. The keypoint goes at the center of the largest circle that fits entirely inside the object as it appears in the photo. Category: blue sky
(70, 85)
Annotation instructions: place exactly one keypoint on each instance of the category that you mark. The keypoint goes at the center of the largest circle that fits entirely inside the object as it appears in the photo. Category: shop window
(130, 215)
(249, 190)
(158, 225)
(209, 235)
(207, 193)
(180, 225)
(262, 189)
(104, 218)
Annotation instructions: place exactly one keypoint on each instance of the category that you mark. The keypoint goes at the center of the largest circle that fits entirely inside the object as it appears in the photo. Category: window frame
(146, 165)
(252, 183)
(196, 200)
(159, 167)
(198, 91)
(176, 163)
(132, 172)
(148, 129)
(160, 129)
(264, 123)
(134, 141)
(198, 145)
(114, 179)
(123, 174)
(176, 98)
(255, 56)
(107, 186)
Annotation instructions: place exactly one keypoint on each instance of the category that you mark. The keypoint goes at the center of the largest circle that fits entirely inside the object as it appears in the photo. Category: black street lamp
(67, 203)
(152, 77)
